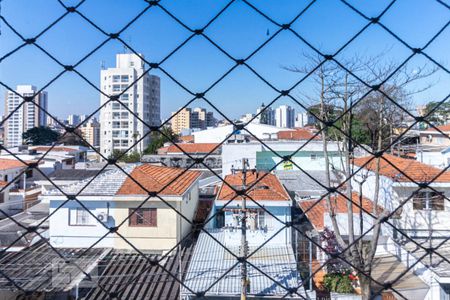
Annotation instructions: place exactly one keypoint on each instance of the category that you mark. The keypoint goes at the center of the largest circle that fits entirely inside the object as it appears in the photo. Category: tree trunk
(364, 283)
(323, 117)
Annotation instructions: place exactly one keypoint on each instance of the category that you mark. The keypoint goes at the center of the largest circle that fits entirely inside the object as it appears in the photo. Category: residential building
(231, 134)
(194, 148)
(308, 155)
(9, 172)
(51, 157)
(247, 118)
(182, 155)
(192, 119)
(318, 222)
(15, 189)
(181, 120)
(27, 116)
(285, 116)
(120, 129)
(426, 212)
(432, 137)
(268, 241)
(265, 115)
(91, 132)
(114, 198)
(73, 120)
(304, 119)
(66, 177)
(298, 134)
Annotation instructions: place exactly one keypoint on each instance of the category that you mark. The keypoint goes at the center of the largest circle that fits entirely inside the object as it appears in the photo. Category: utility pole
(244, 252)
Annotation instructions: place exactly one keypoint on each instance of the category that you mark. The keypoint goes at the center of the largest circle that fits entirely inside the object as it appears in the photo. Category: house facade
(116, 200)
(418, 211)
(269, 156)
(268, 207)
(433, 137)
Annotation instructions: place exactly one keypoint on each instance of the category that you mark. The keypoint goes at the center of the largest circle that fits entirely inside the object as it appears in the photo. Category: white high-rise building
(266, 115)
(73, 120)
(304, 119)
(27, 116)
(119, 128)
(285, 116)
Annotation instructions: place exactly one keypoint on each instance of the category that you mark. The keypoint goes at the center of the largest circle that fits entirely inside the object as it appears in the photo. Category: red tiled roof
(175, 181)
(6, 164)
(55, 149)
(267, 188)
(193, 148)
(443, 128)
(163, 150)
(187, 138)
(339, 203)
(413, 169)
(297, 134)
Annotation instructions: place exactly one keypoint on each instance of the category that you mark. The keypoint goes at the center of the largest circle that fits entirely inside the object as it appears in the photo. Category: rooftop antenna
(102, 65)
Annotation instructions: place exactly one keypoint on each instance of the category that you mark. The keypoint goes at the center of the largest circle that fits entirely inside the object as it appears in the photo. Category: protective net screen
(280, 149)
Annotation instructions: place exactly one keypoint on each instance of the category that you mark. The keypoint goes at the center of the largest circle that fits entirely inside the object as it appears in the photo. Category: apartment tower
(119, 128)
(27, 116)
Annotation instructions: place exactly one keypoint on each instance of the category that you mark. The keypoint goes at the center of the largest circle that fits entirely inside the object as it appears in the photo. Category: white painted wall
(391, 194)
(280, 209)
(436, 159)
(219, 134)
(232, 154)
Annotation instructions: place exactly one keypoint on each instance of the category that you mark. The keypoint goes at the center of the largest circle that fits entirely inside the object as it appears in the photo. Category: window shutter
(132, 219)
(153, 217)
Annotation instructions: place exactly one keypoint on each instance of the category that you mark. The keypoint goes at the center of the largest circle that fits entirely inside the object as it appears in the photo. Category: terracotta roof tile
(443, 128)
(54, 149)
(6, 164)
(413, 169)
(194, 148)
(173, 181)
(267, 188)
(187, 138)
(339, 203)
(297, 134)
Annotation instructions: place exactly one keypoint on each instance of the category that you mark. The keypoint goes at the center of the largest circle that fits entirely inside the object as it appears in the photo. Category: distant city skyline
(198, 64)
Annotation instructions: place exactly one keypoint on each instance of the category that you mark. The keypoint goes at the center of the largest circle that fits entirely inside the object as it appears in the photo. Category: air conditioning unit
(102, 217)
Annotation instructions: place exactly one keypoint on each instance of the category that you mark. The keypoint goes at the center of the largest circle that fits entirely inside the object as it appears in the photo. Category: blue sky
(327, 25)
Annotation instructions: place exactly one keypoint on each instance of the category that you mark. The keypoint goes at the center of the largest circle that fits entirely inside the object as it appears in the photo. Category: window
(428, 200)
(313, 156)
(142, 217)
(80, 217)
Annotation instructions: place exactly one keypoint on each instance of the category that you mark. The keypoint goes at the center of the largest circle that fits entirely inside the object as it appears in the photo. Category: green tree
(73, 139)
(440, 115)
(40, 136)
(159, 138)
(131, 157)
